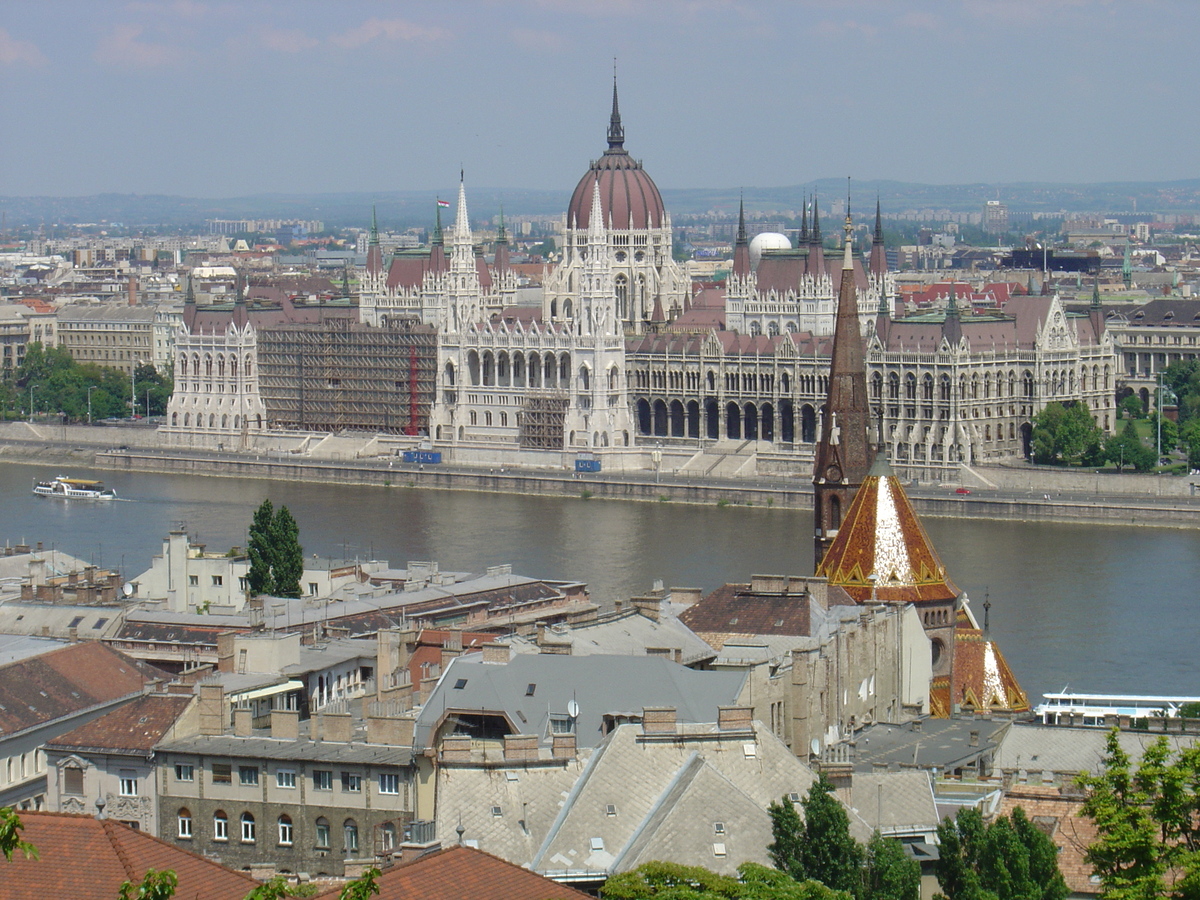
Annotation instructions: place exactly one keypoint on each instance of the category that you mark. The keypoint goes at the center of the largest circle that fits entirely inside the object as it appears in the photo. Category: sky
(206, 98)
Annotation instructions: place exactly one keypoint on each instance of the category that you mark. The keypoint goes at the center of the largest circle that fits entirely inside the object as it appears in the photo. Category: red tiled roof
(136, 726)
(736, 609)
(65, 681)
(458, 872)
(82, 858)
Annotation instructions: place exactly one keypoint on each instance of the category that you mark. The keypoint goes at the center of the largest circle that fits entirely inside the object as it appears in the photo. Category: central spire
(616, 134)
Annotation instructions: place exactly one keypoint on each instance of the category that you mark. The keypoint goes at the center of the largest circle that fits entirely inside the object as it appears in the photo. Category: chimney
(735, 718)
(564, 746)
(394, 731)
(226, 645)
(133, 286)
(520, 747)
(495, 654)
(658, 720)
(285, 724)
(456, 749)
(973, 739)
(336, 727)
(212, 708)
(243, 721)
(916, 724)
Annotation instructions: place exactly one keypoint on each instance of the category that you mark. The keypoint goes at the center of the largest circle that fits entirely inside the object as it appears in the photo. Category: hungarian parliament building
(627, 358)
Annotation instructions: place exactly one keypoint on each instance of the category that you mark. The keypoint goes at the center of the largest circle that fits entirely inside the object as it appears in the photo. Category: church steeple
(616, 134)
(843, 452)
(803, 239)
(878, 251)
(374, 254)
(816, 249)
(952, 326)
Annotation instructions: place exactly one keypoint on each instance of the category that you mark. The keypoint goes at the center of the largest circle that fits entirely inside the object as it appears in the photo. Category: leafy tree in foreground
(154, 886)
(672, 881)
(10, 836)
(1131, 407)
(831, 856)
(889, 873)
(262, 550)
(1009, 859)
(1126, 449)
(362, 887)
(1067, 434)
(1148, 822)
(288, 563)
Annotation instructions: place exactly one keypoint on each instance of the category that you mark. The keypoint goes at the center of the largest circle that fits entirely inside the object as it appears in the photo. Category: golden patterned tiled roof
(881, 535)
(980, 679)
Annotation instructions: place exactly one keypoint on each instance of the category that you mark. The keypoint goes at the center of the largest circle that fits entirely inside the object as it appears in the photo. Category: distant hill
(401, 209)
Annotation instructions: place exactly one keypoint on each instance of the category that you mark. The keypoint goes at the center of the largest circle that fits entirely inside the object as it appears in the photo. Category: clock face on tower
(833, 473)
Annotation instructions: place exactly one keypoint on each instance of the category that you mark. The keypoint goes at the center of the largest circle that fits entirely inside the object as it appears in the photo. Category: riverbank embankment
(1016, 493)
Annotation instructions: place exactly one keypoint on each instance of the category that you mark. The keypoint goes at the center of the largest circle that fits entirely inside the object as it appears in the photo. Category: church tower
(843, 455)
(465, 301)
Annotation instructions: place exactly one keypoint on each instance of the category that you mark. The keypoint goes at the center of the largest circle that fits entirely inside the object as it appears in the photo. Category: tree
(889, 873)
(1170, 433)
(1131, 407)
(1068, 434)
(362, 887)
(1009, 859)
(10, 836)
(154, 886)
(1189, 439)
(261, 550)
(288, 562)
(787, 850)
(672, 881)
(1148, 822)
(1126, 449)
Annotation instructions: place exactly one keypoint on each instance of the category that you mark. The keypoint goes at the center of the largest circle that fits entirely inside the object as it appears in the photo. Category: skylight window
(460, 684)
(530, 689)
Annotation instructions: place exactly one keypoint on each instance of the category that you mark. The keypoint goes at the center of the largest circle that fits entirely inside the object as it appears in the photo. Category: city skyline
(219, 99)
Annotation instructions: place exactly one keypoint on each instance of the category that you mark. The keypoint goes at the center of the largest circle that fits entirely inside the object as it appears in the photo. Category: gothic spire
(741, 249)
(437, 227)
(1096, 290)
(952, 325)
(741, 232)
(346, 282)
(596, 236)
(462, 222)
(878, 239)
(374, 255)
(374, 226)
(843, 455)
(878, 251)
(803, 223)
(616, 134)
(816, 223)
(501, 234)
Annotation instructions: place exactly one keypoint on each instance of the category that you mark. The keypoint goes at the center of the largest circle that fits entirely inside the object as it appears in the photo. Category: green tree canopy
(1126, 448)
(1131, 407)
(261, 550)
(889, 873)
(1067, 434)
(1008, 859)
(276, 557)
(10, 836)
(154, 886)
(672, 881)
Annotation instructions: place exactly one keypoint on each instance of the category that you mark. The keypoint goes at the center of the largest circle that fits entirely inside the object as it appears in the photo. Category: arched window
(585, 379)
(350, 836)
(387, 835)
(877, 386)
(183, 823)
(285, 831)
(322, 833)
(247, 828)
(220, 826)
(622, 284)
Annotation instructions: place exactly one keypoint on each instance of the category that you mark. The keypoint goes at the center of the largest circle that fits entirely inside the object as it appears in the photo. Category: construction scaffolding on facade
(542, 422)
(338, 375)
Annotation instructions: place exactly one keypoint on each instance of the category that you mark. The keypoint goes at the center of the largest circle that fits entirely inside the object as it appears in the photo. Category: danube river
(1099, 607)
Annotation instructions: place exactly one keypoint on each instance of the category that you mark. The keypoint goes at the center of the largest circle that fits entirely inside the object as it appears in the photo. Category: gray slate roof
(944, 744)
(599, 684)
(302, 750)
(1055, 748)
(626, 634)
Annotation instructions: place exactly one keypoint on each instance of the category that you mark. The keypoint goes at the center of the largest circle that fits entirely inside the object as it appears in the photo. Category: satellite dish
(127, 589)
(572, 709)
(815, 747)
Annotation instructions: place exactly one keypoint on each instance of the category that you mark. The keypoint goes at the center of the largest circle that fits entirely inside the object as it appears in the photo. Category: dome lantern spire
(616, 133)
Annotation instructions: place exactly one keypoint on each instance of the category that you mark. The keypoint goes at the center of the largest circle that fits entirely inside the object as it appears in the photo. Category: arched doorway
(712, 415)
(766, 422)
(751, 431)
(660, 418)
(677, 420)
(733, 421)
(808, 424)
(643, 416)
(693, 419)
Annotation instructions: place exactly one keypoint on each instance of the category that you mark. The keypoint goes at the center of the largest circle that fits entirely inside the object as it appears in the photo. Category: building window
(322, 780)
(351, 783)
(248, 775)
(222, 773)
(184, 824)
(243, 583)
(193, 580)
(312, 588)
(285, 778)
(285, 831)
(388, 837)
(322, 833)
(247, 828)
(350, 833)
(128, 783)
(220, 826)
(72, 780)
(184, 772)
(218, 580)
(389, 783)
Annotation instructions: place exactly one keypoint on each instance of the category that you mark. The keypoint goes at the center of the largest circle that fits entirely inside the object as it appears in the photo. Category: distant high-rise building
(995, 217)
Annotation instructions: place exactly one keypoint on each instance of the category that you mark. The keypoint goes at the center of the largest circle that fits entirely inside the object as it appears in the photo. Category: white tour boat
(1070, 707)
(74, 489)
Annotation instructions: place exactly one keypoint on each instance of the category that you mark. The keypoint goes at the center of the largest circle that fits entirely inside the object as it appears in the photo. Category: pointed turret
(616, 133)
(462, 222)
(803, 239)
(883, 315)
(878, 251)
(816, 252)
(1127, 267)
(437, 243)
(1096, 309)
(374, 254)
(346, 282)
(596, 232)
(741, 247)
(501, 262)
(952, 324)
(240, 315)
(843, 452)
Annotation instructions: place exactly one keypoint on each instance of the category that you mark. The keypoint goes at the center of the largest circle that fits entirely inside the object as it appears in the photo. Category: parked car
(963, 491)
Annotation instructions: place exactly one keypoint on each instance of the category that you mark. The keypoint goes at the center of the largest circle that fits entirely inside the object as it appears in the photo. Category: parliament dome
(628, 196)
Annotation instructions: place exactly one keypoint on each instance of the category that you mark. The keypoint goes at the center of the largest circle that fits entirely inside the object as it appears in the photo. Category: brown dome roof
(628, 196)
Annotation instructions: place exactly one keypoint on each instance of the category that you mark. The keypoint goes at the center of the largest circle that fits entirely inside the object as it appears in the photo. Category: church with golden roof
(870, 542)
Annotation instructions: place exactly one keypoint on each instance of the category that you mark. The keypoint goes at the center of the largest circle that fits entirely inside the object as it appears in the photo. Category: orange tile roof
(136, 726)
(458, 872)
(881, 535)
(84, 858)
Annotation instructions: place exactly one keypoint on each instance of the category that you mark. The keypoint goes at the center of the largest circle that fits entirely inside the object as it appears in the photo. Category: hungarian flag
(445, 204)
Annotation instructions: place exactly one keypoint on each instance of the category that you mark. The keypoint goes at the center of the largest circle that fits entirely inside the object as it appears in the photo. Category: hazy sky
(212, 99)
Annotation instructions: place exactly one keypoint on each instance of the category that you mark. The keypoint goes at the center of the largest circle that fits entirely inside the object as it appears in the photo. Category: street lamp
(31, 401)
(133, 389)
(89, 392)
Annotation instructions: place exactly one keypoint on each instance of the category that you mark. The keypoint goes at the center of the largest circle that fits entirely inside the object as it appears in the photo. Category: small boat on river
(74, 489)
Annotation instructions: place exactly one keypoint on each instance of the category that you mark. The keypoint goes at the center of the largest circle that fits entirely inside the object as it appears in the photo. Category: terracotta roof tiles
(136, 726)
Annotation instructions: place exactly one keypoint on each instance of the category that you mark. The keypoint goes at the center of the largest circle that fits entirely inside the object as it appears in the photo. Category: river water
(1099, 607)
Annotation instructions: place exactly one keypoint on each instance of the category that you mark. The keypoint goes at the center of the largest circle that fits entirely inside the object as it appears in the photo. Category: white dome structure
(768, 240)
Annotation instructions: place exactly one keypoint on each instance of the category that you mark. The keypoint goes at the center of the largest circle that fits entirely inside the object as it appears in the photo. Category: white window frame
(287, 832)
(128, 783)
(351, 783)
(183, 825)
(248, 776)
(185, 772)
(322, 779)
(285, 778)
(220, 828)
(248, 833)
(389, 783)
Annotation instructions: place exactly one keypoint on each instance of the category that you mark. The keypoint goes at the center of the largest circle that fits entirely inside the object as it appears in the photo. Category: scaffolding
(338, 375)
(543, 421)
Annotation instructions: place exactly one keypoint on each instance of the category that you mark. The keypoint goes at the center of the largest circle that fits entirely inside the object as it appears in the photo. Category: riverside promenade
(1017, 492)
